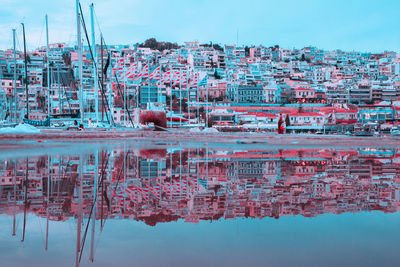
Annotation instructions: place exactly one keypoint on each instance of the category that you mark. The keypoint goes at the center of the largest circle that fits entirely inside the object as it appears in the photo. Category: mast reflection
(168, 184)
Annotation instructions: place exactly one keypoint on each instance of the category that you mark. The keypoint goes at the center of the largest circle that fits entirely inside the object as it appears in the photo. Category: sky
(351, 25)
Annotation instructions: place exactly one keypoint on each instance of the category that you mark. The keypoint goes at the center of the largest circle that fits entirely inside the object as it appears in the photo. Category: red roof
(343, 110)
(296, 113)
(262, 114)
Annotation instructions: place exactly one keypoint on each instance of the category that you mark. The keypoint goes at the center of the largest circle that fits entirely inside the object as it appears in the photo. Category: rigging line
(95, 64)
(65, 171)
(107, 202)
(98, 23)
(63, 82)
(123, 96)
(121, 93)
(73, 81)
(91, 211)
(115, 188)
(41, 33)
(116, 185)
(119, 89)
(90, 216)
(18, 44)
(99, 80)
(97, 242)
(103, 193)
(99, 186)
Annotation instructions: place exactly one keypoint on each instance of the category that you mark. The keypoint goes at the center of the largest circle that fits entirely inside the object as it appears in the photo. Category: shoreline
(204, 138)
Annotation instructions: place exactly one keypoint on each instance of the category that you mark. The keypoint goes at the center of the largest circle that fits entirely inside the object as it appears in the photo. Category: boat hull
(45, 122)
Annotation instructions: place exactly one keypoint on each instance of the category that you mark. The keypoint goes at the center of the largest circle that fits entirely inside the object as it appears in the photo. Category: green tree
(287, 120)
(247, 51)
(216, 75)
(210, 121)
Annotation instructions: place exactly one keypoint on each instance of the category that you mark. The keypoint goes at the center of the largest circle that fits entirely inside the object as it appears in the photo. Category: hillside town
(229, 88)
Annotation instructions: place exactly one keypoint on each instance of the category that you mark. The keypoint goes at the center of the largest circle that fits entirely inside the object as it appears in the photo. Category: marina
(179, 133)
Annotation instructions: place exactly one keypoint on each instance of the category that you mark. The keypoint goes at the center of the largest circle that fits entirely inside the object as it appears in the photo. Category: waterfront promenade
(200, 138)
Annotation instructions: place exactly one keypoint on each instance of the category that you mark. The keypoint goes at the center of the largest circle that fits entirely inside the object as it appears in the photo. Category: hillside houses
(233, 76)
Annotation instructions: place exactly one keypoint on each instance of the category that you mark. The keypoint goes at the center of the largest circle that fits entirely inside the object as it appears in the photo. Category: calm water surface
(165, 205)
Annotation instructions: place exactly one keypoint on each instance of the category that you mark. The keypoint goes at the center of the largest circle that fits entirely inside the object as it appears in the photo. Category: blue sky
(362, 25)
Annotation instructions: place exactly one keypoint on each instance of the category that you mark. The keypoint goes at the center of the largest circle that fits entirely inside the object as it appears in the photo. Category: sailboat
(45, 122)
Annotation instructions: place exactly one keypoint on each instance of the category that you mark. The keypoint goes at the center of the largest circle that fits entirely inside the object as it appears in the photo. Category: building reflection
(169, 184)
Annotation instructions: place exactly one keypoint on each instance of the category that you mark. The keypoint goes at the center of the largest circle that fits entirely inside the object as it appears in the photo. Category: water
(172, 205)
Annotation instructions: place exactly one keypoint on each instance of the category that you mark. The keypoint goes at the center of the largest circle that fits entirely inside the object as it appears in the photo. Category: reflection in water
(169, 184)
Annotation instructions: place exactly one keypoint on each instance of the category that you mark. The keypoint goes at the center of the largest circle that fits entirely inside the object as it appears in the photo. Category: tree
(184, 105)
(210, 121)
(175, 103)
(218, 47)
(303, 58)
(219, 98)
(158, 118)
(215, 46)
(216, 75)
(152, 43)
(66, 56)
(287, 120)
(247, 51)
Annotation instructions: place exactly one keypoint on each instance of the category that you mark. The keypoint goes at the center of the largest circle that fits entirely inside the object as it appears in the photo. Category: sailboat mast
(170, 99)
(48, 69)
(159, 90)
(197, 99)
(78, 232)
(102, 78)
(26, 74)
(25, 200)
(148, 84)
(207, 107)
(180, 97)
(96, 88)
(60, 101)
(96, 161)
(15, 78)
(125, 89)
(15, 195)
(78, 26)
(48, 202)
(188, 95)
